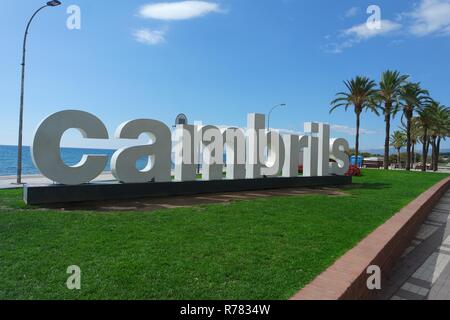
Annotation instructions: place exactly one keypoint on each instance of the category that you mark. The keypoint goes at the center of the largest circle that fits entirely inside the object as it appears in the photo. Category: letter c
(46, 154)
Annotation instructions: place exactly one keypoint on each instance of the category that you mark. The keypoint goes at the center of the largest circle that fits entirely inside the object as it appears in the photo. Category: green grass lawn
(259, 249)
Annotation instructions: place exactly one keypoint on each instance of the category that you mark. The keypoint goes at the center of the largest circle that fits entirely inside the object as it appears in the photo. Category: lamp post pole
(270, 113)
(22, 89)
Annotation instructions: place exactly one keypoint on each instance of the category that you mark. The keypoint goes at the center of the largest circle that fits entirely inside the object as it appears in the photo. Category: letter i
(311, 153)
(324, 150)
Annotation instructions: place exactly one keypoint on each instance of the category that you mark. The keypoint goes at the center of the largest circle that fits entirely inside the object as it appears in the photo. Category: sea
(70, 156)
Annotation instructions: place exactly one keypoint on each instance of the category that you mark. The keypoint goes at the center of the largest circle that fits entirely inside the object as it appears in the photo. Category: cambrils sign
(250, 153)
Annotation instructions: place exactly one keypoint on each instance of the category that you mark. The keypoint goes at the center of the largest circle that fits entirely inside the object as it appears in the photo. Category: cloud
(150, 37)
(430, 17)
(351, 131)
(361, 32)
(183, 10)
(351, 12)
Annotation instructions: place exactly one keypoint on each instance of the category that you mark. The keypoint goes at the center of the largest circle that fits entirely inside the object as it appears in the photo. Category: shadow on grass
(368, 186)
(190, 201)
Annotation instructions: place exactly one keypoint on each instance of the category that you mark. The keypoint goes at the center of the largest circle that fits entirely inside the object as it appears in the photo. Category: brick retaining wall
(347, 278)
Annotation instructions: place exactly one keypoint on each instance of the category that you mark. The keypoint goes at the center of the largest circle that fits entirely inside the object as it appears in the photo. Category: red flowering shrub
(300, 169)
(354, 171)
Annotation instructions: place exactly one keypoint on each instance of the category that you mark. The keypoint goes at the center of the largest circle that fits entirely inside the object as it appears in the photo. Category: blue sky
(216, 61)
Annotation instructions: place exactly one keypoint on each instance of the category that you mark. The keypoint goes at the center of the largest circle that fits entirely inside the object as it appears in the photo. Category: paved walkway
(8, 182)
(423, 273)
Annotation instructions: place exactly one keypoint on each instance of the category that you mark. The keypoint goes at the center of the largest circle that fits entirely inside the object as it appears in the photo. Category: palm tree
(360, 95)
(412, 98)
(440, 129)
(388, 95)
(416, 134)
(398, 141)
(425, 119)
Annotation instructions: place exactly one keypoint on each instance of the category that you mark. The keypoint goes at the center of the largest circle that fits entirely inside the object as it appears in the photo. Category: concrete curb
(347, 278)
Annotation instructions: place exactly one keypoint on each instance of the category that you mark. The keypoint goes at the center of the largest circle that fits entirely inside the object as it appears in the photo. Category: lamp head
(54, 3)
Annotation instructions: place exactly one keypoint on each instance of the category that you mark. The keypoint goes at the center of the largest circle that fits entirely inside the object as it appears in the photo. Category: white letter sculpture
(292, 156)
(338, 147)
(185, 153)
(248, 156)
(323, 167)
(255, 124)
(46, 151)
(212, 142)
(275, 153)
(310, 158)
(123, 163)
(234, 139)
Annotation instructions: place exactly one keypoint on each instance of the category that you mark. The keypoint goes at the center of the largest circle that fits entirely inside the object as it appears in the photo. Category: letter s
(338, 147)
(45, 150)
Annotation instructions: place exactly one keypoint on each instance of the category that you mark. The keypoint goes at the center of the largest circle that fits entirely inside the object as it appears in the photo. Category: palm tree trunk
(388, 135)
(413, 155)
(425, 150)
(399, 160)
(358, 124)
(438, 152)
(408, 143)
(433, 152)
(437, 142)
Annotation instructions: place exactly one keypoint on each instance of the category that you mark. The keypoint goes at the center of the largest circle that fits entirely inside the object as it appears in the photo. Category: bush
(354, 171)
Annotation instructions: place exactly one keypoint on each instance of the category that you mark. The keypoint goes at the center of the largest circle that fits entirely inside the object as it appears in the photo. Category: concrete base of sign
(51, 194)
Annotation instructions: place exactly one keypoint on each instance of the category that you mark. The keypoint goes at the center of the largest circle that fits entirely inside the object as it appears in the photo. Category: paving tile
(424, 270)
(447, 241)
(425, 232)
(407, 295)
(420, 283)
(434, 223)
(397, 298)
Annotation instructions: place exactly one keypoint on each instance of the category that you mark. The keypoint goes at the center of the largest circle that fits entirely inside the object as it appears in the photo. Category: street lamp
(270, 113)
(53, 3)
